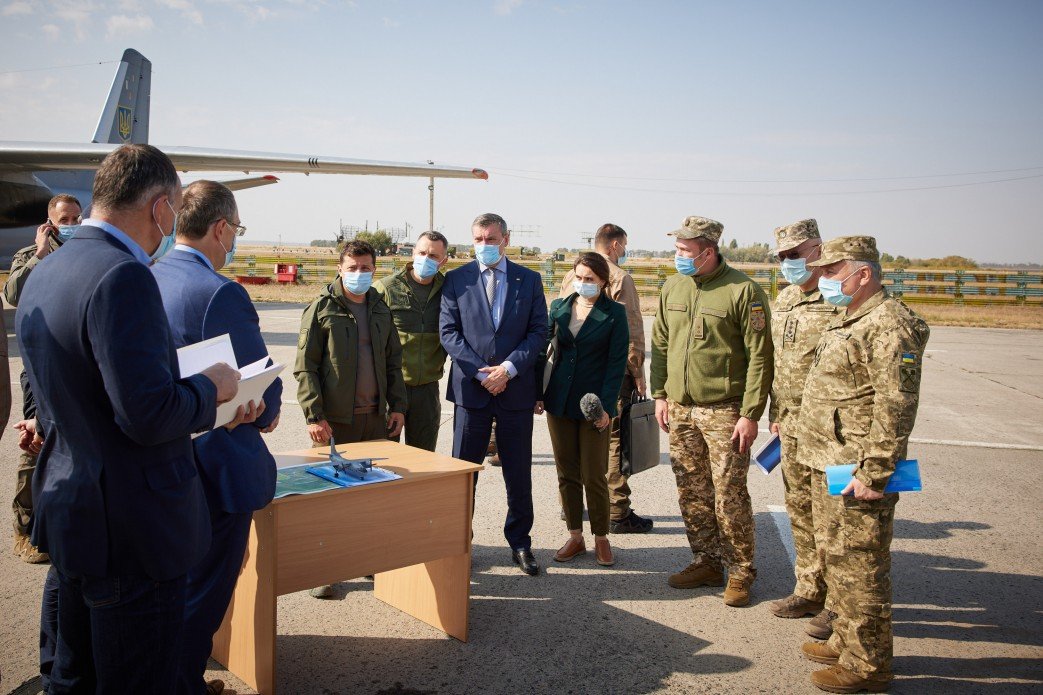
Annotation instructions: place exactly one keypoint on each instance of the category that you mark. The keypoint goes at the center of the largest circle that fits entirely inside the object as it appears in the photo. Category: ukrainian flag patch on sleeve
(908, 358)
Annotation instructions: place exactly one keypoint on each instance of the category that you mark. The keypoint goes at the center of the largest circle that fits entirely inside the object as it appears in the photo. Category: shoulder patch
(302, 340)
(757, 320)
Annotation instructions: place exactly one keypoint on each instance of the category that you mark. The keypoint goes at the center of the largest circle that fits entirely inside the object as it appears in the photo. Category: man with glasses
(236, 468)
(63, 216)
(798, 320)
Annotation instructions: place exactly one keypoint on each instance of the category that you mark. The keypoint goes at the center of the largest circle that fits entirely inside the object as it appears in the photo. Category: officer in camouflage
(711, 372)
(859, 406)
(798, 319)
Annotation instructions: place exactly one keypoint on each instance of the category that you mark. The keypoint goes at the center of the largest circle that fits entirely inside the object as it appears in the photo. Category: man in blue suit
(493, 325)
(237, 470)
(118, 504)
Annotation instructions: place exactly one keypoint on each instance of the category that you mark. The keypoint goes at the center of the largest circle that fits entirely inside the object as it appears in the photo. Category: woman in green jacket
(590, 339)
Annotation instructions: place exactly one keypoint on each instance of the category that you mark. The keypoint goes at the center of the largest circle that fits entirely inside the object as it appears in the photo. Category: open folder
(254, 379)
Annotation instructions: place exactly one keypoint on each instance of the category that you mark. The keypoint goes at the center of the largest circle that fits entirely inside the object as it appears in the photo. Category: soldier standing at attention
(414, 295)
(859, 406)
(710, 375)
(799, 317)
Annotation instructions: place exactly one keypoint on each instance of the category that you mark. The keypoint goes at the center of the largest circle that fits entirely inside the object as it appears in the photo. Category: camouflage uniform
(711, 360)
(859, 406)
(798, 320)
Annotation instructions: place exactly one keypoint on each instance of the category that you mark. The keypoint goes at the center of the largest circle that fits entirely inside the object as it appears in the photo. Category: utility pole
(431, 200)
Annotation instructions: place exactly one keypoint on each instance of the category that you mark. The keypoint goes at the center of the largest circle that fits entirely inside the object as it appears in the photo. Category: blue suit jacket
(115, 490)
(468, 335)
(237, 469)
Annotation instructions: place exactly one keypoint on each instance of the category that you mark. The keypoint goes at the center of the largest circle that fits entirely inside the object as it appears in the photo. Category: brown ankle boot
(603, 552)
(696, 574)
(737, 593)
(821, 626)
(819, 652)
(794, 606)
(573, 546)
(837, 679)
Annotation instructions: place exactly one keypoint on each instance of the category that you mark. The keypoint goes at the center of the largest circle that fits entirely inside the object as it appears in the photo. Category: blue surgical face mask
(687, 266)
(833, 290)
(229, 253)
(425, 266)
(167, 242)
(487, 254)
(357, 282)
(585, 289)
(66, 231)
(795, 270)
(622, 258)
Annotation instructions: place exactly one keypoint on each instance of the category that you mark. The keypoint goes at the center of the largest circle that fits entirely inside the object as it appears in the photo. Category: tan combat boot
(24, 549)
(696, 574)
(794, 606)
(836, 679)
(821, 626)
(819, 652)
(737, 594)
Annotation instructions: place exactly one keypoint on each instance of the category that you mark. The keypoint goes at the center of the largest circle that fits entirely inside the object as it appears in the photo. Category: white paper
(196, 357)
(251, 388)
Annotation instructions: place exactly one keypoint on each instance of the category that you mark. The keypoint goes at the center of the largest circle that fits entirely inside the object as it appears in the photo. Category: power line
(746, 194)
(58, 67)
(505, 170)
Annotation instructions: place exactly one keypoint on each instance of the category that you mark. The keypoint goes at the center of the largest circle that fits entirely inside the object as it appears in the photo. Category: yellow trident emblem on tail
(126, 121)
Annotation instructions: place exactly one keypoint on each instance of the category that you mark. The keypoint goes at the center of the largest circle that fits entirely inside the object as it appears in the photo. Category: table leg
(435, 592)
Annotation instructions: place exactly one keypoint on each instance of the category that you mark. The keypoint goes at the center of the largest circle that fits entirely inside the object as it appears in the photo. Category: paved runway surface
(968, 603)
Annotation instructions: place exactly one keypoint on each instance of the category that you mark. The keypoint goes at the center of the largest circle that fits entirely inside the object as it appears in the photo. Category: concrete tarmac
(968, 591)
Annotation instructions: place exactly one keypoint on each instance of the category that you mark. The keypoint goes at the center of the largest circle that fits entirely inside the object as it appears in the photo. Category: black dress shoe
(525, 560)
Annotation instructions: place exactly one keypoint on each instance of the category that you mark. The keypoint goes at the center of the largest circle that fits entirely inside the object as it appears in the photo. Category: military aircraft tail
(125, 116)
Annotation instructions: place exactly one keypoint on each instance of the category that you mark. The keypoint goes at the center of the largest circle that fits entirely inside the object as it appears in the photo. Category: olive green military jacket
(710, 341)
(862, 392)
(22, 263)
(327, 357)
(423, 357)
(798, 320)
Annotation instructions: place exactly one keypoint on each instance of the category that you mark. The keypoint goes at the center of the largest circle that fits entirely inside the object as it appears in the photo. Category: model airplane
(32, 172)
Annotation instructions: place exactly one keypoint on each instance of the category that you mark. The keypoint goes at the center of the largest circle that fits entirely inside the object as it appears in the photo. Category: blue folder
(769, 455)
(906, 477)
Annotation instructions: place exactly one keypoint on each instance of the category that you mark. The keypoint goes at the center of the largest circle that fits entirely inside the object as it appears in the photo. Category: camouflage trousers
(858, 578)
(809, 549)
(711, 486)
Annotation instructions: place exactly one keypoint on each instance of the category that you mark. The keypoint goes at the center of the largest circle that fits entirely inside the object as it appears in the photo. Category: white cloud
(121, 25)
(18, 7)
(186, 8)
(51, 31)
(75, 12)
(391, 23)
(505, 7)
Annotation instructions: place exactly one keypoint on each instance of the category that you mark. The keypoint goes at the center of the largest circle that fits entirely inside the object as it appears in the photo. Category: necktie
(490, 288)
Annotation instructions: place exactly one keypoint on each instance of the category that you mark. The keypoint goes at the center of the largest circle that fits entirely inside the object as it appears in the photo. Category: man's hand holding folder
(225, 379)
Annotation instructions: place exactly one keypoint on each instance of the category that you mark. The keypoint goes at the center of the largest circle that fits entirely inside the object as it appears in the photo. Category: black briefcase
(638, 436)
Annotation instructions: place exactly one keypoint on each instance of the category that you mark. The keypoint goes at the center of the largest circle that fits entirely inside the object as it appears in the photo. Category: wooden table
(413, 534)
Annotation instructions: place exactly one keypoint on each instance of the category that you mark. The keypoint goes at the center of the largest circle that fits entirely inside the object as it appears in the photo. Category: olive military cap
(694, 227)
(848, 248)
(793, 235)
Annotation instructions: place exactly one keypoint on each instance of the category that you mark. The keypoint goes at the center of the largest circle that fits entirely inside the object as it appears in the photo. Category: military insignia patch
(757, 320)
(303, 339)
(125, 118)
(908, 358)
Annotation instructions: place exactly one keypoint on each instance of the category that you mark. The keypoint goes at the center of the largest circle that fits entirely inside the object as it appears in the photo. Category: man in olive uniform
(859, 407)
(414, 295)
(611, 242)
(710, 375)
(63, 216)
(798, 319)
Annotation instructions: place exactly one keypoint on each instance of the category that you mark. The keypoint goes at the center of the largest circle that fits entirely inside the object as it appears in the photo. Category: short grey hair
(488, 219)
(874, 268)
(205, 202)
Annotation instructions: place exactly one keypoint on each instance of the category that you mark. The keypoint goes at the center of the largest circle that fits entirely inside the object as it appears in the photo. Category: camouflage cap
(694, 227)
(848, 248)
(793, 235)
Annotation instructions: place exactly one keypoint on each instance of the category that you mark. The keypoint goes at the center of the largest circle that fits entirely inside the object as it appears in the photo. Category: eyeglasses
(237, 228)
(794, 255)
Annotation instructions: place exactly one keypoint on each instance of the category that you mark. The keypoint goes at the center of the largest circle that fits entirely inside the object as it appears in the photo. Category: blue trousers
(48, 627)
(210, 587)
(472, 428)
(117, 634)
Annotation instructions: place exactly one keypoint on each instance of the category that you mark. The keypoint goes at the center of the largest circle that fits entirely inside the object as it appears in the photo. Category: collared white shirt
(196, 252)
(499, 299)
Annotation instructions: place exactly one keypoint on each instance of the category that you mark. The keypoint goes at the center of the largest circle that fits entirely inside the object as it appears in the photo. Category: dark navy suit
(118, 503)
(237, 469)
(472, 341)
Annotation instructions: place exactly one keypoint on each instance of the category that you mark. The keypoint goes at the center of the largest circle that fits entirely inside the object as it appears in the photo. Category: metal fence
(970, 287)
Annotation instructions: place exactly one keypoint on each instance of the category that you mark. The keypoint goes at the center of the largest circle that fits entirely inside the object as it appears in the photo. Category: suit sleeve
(231, 311)
(541, 359)
(398, 400)
(130, 339)
(760, 364)
(523, 357)
(894, 370)
(618, 349)
(310, 348)
(450, 328)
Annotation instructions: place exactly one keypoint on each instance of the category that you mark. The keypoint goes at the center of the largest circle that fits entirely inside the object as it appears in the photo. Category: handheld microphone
(590, 406)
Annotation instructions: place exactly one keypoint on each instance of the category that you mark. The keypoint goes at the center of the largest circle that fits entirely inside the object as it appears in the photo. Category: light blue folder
(906, 477)
(769, 455)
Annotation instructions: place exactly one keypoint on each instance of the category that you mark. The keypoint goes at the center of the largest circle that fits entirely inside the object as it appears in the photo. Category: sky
(920, 123)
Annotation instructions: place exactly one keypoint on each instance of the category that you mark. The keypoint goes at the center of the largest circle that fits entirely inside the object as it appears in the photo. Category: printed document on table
(254, 378)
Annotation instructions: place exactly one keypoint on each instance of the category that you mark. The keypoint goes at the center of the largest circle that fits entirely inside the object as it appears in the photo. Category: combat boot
(27, 552)
(819, 652)
(737, 594)
(794, 606)
(821, 626)
(836, 679)
(696, 574)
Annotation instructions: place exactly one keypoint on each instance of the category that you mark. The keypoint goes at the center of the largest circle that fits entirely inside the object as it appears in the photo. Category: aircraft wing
(248, 182)
(44, 156)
